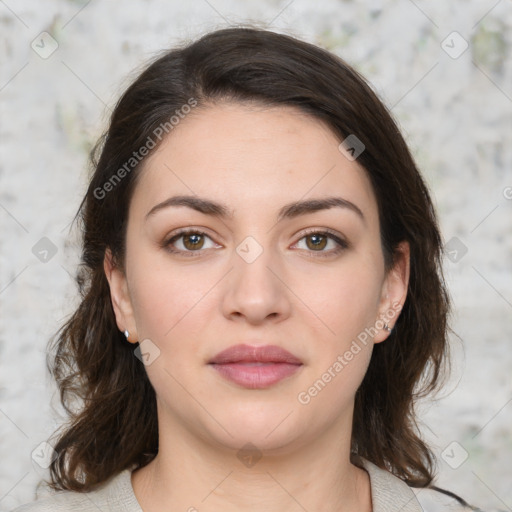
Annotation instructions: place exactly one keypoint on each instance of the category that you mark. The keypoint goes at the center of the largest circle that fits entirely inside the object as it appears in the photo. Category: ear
(394, 292)
(120, 297)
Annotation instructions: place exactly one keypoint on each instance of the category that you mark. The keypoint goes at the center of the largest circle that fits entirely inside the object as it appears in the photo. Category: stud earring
(127, 334)
(386, 326)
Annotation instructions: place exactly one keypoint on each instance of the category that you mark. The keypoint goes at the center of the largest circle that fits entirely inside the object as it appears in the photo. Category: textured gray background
(456, 114)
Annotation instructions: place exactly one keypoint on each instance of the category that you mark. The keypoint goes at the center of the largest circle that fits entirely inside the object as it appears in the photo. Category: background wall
(444, 69)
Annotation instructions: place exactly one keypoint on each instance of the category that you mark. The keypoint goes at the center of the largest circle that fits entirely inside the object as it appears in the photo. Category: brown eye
(318, 241)
(187, 242)
(193, 241)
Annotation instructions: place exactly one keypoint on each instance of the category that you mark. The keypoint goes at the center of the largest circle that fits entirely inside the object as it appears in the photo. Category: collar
(389, 493)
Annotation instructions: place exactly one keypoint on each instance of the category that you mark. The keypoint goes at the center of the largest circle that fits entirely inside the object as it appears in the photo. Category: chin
(273, 428)
(256, 444)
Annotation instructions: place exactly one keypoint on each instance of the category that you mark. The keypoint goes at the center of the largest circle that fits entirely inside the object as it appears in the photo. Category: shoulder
(390, 493)
(432, 500)
(441, 500)
(115, 495)
(60, 502)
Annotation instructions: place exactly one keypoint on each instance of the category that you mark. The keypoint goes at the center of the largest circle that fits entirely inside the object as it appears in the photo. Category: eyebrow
(289, 211)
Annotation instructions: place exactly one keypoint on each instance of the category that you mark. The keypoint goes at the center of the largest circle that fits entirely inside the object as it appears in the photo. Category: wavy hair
(105, 389)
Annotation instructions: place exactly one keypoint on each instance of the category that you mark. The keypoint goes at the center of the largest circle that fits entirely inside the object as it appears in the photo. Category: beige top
(389, 494)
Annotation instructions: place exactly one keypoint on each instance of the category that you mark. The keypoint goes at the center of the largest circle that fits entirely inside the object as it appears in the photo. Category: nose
(256, 288)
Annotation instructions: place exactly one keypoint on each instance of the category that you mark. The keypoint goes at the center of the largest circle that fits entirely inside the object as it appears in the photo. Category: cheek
(340, 343)
(345, 299)
(160, 296)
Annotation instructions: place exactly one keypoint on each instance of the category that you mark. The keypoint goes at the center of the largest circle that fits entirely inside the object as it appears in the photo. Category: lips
(255, 367)
(251, 354)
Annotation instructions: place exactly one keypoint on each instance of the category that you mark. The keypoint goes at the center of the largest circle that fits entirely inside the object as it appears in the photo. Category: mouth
(255, 367)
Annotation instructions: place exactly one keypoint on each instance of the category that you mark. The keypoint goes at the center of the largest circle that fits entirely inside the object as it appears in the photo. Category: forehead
(248, 156)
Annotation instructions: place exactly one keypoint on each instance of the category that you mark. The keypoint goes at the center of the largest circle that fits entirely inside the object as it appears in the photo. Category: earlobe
(394, 292)
(121, 302)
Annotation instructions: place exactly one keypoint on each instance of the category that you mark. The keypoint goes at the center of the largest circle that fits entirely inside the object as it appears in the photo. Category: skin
(254, 160)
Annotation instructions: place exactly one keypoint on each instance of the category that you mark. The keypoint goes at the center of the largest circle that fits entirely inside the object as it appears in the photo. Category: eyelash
(342, 244)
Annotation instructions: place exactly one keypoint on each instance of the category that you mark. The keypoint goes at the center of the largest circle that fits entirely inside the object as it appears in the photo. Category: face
(261, 266)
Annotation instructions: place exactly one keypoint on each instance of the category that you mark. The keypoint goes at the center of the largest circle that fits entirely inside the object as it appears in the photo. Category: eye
(317, 241)
(192, 241)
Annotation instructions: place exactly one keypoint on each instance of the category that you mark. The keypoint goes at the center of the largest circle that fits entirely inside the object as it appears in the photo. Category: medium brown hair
(114, 426)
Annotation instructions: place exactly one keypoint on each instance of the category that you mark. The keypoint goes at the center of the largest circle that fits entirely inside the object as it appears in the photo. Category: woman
(262, 294)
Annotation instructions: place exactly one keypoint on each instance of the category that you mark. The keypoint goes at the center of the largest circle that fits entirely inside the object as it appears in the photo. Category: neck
(191, 474)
